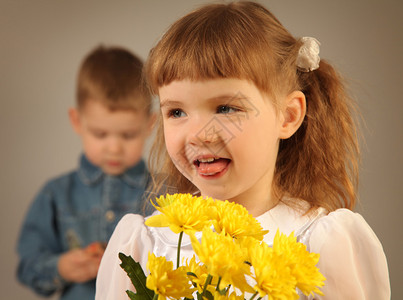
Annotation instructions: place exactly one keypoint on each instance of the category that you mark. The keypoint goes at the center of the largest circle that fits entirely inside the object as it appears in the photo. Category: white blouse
(351, 256)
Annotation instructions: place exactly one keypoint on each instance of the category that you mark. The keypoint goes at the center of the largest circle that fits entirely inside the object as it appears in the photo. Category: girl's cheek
(171, 144)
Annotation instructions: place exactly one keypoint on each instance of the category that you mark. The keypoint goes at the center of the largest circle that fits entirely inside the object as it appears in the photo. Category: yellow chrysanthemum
(301, 262)
(181, 213)
(198, 274)
(235, 220)
(223, 258)
(166, 282)
(231, 296)
(279, 270)
(272, 274)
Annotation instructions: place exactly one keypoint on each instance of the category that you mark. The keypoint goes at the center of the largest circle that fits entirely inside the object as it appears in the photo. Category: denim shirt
(73, 211)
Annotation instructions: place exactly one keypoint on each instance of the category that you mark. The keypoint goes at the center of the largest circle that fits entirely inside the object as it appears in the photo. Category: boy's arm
(39, 247)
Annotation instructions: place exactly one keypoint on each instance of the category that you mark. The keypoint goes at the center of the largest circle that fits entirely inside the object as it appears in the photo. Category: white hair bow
(308, 56)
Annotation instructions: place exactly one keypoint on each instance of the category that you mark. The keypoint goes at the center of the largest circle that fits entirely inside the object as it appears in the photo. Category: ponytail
(319, 163)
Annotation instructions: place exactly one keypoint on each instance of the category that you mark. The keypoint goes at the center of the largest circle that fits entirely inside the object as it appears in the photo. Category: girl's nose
(205, 131)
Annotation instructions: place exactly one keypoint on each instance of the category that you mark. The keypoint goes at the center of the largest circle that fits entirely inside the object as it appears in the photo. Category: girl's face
(223, 135)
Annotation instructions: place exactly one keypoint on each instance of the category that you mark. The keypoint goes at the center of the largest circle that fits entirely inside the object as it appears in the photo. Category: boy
(69, 223)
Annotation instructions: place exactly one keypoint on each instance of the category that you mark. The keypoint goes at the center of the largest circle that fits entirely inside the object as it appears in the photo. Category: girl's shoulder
(341, 219)
(342, 226)
(315, 224)
(131, 220)
(351, 256)
(131, 237)
(130, 227)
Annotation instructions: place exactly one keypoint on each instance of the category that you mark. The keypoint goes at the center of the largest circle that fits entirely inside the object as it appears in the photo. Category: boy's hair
(113, 76)
(243, 40)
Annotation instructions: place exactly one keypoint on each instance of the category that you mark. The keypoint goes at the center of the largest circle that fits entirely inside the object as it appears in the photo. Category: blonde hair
(243, 40)
(113, 76)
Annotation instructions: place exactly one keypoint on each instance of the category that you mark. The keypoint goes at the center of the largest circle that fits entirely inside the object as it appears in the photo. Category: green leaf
(137, 277)
(209, 296)
(191, 274)
(131, 295)
(206, 295)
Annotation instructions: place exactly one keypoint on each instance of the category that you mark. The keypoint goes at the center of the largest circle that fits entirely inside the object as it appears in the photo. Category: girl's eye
(176, 113)
(225, 109)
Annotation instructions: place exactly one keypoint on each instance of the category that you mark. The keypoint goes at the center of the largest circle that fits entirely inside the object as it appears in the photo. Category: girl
(249, 114)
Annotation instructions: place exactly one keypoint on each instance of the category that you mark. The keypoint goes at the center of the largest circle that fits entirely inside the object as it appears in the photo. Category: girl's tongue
(210, 168)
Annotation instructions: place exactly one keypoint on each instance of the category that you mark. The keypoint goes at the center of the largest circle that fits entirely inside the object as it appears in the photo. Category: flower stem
(208, 281)
(179, 249)
(218, 284)
(254, 295)
(155, 296)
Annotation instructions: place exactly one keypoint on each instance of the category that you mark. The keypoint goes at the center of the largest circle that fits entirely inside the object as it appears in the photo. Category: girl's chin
(212, 193)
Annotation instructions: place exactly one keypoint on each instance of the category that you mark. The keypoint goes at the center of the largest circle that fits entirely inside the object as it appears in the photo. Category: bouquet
(231, 261)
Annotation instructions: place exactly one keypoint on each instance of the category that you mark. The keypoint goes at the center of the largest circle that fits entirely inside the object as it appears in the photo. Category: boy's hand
(81, 265)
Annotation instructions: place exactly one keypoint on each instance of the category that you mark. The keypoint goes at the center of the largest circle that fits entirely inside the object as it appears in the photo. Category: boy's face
(112, 140)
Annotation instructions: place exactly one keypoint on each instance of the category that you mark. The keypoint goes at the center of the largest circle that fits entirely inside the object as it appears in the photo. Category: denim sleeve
(39, 247)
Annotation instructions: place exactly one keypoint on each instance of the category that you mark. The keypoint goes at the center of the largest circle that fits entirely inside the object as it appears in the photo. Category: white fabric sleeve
(351, 258)
(130, 237)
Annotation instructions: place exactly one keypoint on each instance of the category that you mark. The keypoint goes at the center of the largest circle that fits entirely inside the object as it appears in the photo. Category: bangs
(219, 41)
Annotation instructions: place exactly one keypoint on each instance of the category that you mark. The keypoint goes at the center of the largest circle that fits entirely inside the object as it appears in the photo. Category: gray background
(43, 42)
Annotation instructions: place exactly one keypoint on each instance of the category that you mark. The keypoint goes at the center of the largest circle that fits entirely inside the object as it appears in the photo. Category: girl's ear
(294, 113)
(75, 121)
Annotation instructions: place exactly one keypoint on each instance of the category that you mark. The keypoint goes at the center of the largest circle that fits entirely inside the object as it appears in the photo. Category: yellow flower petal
(182, 212)
(301, 262)
(272, 275)
(235, 220)
(166, 282)
(278, 271)
(198, 274)
(223, 258)
(157, 221)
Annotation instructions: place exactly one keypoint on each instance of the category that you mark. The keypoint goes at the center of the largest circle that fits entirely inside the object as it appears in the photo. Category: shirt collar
(287, 218)
(136, 176)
